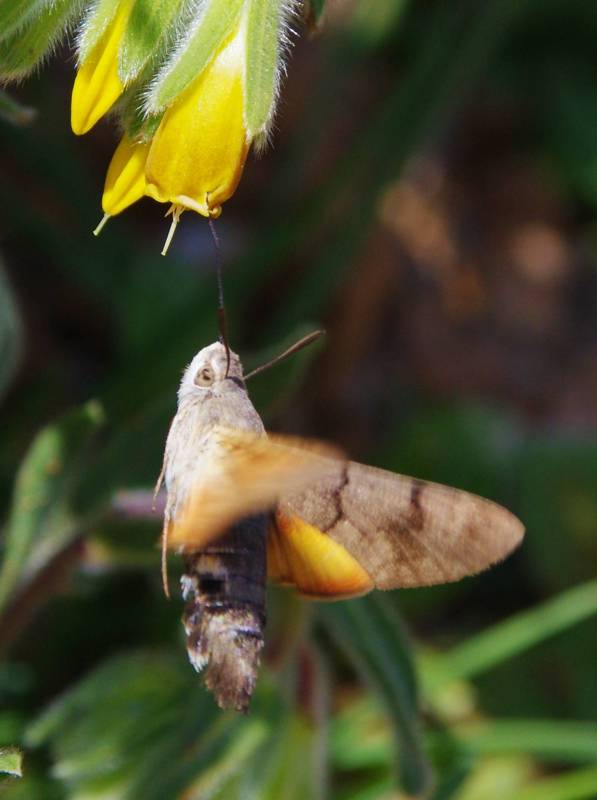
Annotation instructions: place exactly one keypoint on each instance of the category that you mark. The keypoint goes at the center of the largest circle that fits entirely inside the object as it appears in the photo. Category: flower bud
(98, 84)
(125, 180)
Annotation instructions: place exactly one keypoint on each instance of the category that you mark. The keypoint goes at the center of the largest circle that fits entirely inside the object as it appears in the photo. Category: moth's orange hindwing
(301, 555)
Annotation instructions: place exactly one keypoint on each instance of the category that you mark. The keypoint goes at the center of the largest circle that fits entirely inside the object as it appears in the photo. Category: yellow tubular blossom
(125, 180)
(199, 150)
(98, 85)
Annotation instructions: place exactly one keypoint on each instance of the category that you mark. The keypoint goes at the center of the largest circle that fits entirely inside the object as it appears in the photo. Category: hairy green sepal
(214, 24)
(261, 75)
(15, 14)
(99, 15)
(137, 125)
(23, 50)
(149, 30)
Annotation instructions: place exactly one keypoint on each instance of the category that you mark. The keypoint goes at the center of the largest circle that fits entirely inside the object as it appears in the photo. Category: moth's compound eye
(204, 377)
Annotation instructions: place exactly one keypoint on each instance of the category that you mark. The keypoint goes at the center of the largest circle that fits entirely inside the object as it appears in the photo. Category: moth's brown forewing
(332, 528)
(406, 532)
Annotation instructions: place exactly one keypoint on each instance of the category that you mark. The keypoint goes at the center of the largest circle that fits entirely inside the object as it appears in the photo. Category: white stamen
(100, 227)
(176, 211)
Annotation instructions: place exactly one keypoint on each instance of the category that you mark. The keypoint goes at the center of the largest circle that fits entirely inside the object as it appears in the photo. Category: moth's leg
(165, 530)
(158, 484)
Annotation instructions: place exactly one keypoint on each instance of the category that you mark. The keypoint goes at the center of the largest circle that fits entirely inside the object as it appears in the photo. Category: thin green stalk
(553, 740)
(512, 637)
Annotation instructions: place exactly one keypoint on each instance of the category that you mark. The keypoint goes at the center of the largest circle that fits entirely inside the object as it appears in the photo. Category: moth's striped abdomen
(224, 587)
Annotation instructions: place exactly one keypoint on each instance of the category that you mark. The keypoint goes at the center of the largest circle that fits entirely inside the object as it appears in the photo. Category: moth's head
(206, 374)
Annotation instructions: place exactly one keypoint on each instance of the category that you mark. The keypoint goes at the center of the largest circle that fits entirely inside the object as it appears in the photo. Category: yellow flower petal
(125, 179)
(98, 85)
(199, 150)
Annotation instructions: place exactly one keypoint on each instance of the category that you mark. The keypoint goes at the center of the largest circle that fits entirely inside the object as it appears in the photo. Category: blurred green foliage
(494, 694)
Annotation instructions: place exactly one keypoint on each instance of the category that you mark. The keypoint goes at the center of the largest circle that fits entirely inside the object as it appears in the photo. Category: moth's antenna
(306, 340)
(222, 320)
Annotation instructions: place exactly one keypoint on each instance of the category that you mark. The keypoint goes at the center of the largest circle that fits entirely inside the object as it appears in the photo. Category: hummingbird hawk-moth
(243, 507)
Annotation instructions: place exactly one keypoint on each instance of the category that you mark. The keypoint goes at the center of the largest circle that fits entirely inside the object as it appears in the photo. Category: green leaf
(291, 766)
(263, 57)
(141, 683)
(512, 637)
(361, 735)
(491, 779)
(149, 29)
(577, 785)
(562, 741)
(213, 23)
(15, 14)
(369, 631)
(200, 742)
(40, 522)
(23, 50)
(11, 761)
(104, 731)
(242, 748)
(143, 708)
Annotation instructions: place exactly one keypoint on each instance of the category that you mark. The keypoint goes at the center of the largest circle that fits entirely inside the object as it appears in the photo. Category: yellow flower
(98, 84)
(199, 150)
(125, 180)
